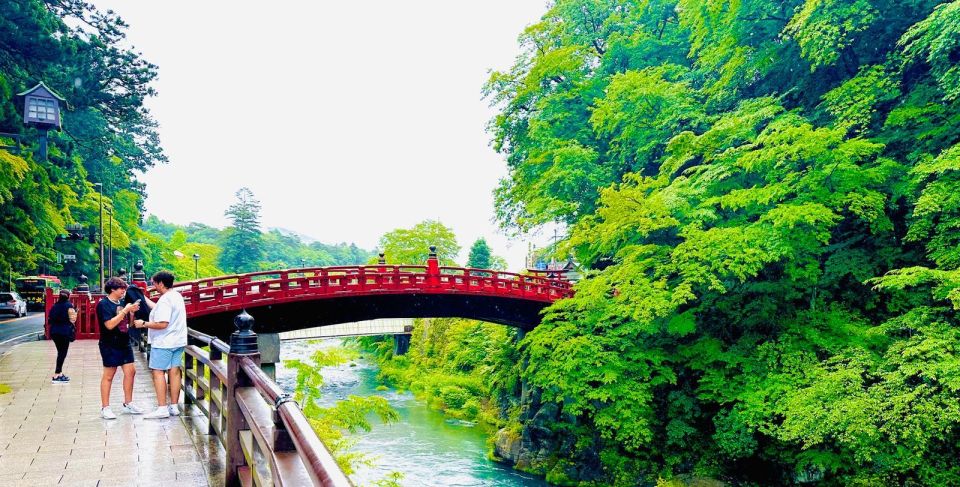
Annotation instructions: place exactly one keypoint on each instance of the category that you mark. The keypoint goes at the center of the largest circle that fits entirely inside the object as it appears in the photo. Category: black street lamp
(196, 266)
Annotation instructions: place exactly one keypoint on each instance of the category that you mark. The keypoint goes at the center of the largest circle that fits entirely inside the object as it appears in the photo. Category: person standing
(62, 332)
(167, 330)
(135, 294)
(115, 350)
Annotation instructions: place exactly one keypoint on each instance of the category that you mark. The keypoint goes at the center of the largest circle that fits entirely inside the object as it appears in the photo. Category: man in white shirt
(167, 329)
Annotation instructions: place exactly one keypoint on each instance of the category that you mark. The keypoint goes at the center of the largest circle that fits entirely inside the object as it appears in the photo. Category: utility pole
(111, 241)
(101, 235)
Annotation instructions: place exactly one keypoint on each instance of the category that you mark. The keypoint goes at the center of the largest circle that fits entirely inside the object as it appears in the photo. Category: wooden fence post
(243, 342)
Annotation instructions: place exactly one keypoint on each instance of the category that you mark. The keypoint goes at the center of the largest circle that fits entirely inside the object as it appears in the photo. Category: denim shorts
(166, 358)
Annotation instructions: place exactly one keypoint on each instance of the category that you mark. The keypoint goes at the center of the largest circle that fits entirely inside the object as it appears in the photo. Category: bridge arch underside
(520, 313)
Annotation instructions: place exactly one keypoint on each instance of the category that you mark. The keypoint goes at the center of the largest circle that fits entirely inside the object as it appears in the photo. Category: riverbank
(424, 445)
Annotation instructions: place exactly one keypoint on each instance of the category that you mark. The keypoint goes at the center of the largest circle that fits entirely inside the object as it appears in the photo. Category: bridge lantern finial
(82, 286)
(433, 268)
(383, 259)
(244, 340)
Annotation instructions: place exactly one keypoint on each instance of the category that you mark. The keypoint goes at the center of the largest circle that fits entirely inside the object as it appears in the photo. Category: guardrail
(267, 438)
(86, 305)
(234, 292)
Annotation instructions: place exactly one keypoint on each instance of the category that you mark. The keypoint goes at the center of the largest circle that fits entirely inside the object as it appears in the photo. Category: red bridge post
(433, 268)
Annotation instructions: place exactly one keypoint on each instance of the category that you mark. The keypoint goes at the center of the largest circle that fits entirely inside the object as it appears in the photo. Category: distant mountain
(306, 239)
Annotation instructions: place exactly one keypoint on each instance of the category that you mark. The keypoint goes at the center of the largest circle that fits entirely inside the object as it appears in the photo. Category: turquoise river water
(428, 448)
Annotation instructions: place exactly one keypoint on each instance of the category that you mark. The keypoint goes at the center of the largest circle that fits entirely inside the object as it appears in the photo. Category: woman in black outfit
(62, 332)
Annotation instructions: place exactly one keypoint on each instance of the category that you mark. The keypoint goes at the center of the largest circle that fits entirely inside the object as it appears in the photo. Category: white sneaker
(173, 410)
(160, 413)
(131, 408)
(107, 413)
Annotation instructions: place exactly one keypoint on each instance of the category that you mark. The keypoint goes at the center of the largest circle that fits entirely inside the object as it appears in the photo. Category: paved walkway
(52, 434)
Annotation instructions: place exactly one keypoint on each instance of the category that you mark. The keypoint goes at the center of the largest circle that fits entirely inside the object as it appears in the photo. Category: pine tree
(479, 255)
(242, 247)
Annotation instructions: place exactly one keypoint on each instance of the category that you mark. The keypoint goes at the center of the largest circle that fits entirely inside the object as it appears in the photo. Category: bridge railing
(86, 306)
(225, 293)
(256, 288)
(472, 280)
(267, 438)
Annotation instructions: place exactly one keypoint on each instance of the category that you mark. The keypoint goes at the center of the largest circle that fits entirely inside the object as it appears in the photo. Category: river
(428, 448)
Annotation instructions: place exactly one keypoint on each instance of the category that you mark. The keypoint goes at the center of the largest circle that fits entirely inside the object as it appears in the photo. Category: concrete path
(52, 434)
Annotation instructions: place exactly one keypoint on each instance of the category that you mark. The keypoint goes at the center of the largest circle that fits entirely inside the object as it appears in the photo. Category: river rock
(506, 446)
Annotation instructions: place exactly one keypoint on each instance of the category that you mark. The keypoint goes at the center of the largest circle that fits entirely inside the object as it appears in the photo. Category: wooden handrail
(250, 414)
(264, 385)
(212, 341)
(324, 469)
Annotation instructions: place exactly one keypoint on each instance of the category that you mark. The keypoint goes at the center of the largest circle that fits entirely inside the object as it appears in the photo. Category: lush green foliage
(349, 415)
(411, 246)
(172, 247)
(465, 368)
(767, 192)
(108, 134)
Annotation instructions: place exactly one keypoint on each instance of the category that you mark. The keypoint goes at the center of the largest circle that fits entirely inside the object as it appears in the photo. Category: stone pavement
(52, 434)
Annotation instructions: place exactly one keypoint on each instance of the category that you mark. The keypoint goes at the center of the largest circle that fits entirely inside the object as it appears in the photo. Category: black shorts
(115, 357)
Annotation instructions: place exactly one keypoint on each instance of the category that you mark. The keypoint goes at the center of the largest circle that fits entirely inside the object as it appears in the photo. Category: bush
(454, 397)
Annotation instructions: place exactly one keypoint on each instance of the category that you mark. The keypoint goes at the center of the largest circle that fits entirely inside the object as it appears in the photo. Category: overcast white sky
(346, 119)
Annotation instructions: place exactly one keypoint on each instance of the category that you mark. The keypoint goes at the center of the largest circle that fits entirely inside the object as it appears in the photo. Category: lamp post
(196, 266)
(110, 259)
(41, 110)
(100, 236)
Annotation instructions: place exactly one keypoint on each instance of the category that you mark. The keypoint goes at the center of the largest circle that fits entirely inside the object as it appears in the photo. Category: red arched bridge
(246, 410)
(292, 299)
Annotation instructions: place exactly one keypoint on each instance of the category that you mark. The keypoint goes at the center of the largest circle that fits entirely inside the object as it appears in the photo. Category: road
(12, 330)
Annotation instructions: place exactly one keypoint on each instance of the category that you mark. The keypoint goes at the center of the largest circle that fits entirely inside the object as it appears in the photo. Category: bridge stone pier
(401, 344)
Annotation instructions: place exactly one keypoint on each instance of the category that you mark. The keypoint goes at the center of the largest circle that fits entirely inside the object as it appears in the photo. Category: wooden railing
(267, 438)
(235, 292)
(228, 294)
(86, 306)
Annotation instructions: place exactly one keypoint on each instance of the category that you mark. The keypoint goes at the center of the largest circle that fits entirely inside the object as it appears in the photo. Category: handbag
(72, 317)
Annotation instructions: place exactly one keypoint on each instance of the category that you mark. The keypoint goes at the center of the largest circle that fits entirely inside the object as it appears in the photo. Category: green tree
(764, 193)
(479, 257)
(411, 246)
(242, 245)
(109, 136)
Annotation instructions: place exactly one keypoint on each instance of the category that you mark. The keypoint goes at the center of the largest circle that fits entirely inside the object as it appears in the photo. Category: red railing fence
(235, 292)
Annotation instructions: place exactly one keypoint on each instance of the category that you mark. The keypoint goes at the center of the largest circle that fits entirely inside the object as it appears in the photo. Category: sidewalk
(52, 434)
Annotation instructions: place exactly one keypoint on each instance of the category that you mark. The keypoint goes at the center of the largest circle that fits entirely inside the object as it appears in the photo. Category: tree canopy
(766, 192)
(411, 246)
(108, 137)
(242, 245)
